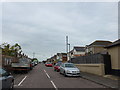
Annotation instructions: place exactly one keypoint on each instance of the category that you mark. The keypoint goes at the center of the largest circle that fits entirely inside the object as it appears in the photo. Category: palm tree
(16, 49)
(11, 50)
(5, 48)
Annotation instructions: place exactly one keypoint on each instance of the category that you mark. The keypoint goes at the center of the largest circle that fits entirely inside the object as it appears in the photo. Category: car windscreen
(69, 65)
(48, 63)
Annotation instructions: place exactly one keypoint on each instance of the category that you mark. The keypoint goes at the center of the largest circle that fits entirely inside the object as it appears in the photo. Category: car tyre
(65, 74)
(12, 85)
(60, 72)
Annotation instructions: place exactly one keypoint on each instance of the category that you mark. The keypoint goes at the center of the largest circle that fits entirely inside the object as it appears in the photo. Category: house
(61, 57)
(77, 51)
(58, 57)
(54, 59)
(7, 61)
(114, 52)
(96, 47)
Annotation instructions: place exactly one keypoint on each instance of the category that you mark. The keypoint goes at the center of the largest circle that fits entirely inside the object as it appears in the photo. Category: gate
(107, 64)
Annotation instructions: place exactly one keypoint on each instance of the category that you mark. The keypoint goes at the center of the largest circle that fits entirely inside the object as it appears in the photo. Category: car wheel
(65, 74)
(60, 72)
(12, 85)
(54, 69)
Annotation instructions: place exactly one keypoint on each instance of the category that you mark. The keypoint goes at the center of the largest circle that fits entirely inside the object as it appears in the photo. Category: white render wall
(77, 53)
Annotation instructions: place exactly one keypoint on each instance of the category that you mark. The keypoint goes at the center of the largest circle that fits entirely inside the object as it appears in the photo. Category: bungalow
(61, 57)
(77, 51)
(96, 47)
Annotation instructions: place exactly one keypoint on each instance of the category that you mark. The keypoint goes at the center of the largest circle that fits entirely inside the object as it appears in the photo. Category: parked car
(69, 69)
(57, 67)
(23, 65)
(7, 79)
(48, 64)
(35, 63)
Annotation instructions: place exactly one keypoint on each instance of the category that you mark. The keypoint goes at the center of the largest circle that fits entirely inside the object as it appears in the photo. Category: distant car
(57, 67)
(7, 79)
(48, 64)
(69, 69)
(36, 63)
(33, 64)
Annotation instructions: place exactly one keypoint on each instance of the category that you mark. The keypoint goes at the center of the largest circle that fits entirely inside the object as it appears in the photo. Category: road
(45, 77)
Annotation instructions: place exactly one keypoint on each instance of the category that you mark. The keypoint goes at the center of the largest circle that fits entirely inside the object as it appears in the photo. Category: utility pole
(67, 48)
(66, 44)
(69, 52)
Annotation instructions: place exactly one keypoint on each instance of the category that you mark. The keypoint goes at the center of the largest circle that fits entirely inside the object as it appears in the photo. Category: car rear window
(48, 63)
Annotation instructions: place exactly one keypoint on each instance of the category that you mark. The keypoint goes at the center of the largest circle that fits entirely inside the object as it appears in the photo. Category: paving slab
(110, 83)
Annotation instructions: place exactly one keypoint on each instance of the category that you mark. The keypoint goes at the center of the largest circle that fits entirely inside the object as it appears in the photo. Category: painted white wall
(77, 53)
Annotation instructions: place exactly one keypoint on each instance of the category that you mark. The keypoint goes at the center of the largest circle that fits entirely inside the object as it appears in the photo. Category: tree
(5, 48)
(15, 49)
(9, 50)
(34, 59)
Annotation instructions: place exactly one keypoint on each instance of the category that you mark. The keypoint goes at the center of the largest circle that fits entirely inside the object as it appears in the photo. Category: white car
(69, 69)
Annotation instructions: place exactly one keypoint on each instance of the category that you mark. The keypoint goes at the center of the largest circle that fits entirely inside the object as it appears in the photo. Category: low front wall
(97, 69)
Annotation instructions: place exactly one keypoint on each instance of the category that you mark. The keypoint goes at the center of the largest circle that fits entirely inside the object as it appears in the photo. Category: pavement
(109, 81)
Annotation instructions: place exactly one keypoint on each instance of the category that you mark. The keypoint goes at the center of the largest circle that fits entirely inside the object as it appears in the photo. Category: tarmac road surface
(45, 77)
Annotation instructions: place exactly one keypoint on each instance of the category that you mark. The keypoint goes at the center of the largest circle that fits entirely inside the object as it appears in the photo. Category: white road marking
(47, 74)
(22, 81)
(54, 85)
(44, 71)
(51, 80)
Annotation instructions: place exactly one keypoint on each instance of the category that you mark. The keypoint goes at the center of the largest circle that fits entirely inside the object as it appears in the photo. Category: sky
(42, 27)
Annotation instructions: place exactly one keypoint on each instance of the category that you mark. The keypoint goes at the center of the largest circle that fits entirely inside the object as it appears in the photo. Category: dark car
(57, 67)
(48, 64)
(7, 79)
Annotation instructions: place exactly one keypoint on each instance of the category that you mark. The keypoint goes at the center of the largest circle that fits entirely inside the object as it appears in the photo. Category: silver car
(69, 69)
